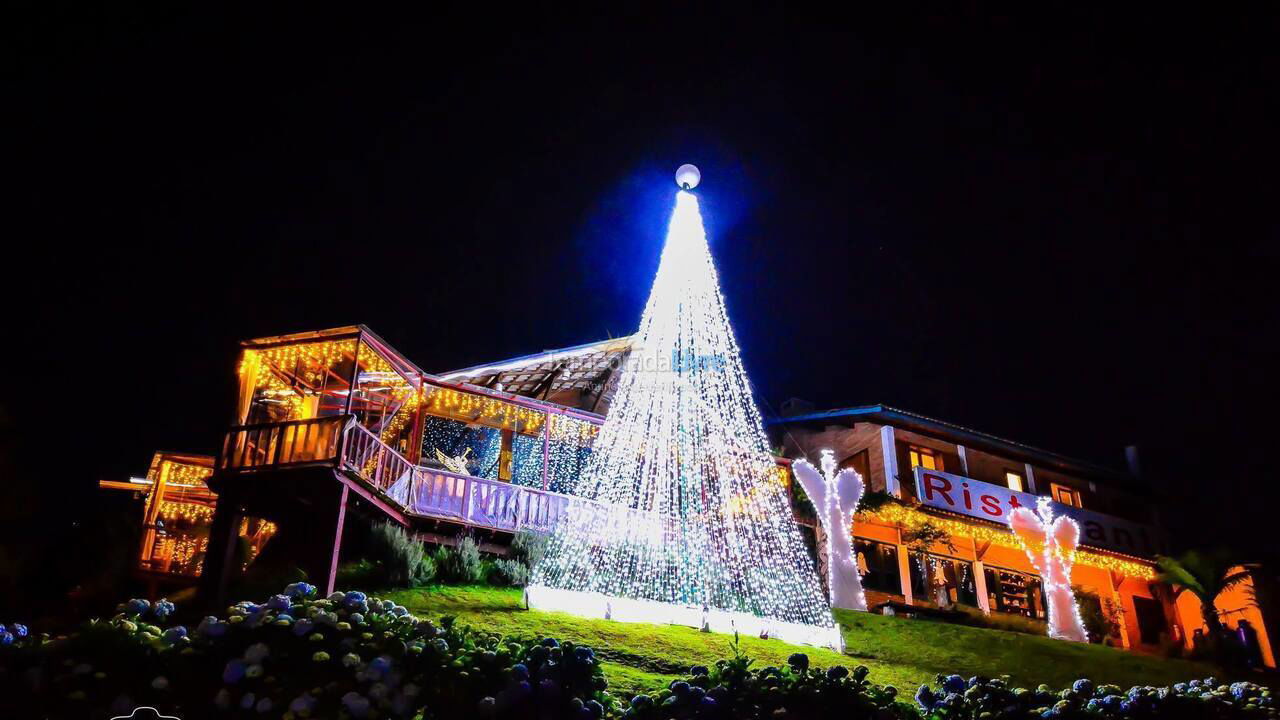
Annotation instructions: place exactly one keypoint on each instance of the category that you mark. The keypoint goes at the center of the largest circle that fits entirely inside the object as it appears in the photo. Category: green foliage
(461, 564)
(921, 539)
(509, 572)
(297, 656)
(997, 699)
(974, 617)
(899, 651)
(402, 558)
(527, 550)
(1101, 617)
(731, 688)
(1205, 575)
(332, 656)
(873, 500)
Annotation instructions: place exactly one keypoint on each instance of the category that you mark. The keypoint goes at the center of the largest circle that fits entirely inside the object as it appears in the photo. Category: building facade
(332, 422)
(934, 533)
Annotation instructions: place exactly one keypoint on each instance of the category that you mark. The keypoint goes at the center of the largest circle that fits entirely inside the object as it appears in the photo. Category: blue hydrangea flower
(163, 608)
(18, 630)
(303, 627)
(954, 684)
(280, 603)
(1084, 686)
(299, 590)
(211, 627)
(925, 698)
(175, 634)
(380, 664)
(303, 704)
(520, 671)
(137, 606)
(234, 672)
(799, 661)
(356, 704)
(6, 638)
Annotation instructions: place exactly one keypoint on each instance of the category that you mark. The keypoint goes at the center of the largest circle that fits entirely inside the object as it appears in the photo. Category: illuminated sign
(966, 496)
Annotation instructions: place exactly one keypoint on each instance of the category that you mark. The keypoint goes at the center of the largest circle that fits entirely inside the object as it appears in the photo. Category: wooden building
(964, 482)
(336, 421)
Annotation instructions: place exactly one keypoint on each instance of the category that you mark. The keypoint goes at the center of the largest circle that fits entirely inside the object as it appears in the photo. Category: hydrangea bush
(994, 699)
(297, 656)
(351, 656)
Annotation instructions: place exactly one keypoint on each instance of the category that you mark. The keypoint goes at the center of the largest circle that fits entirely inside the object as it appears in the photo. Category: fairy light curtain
(694, 526)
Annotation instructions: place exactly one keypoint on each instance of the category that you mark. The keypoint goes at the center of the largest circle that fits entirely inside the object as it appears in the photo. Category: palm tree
(1205, 575)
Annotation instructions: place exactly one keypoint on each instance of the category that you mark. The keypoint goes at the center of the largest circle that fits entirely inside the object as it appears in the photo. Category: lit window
(1014, 481)
(925, 458)
(1065, 495)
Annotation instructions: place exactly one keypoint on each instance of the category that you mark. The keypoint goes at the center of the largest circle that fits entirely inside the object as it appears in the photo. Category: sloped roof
(589, 370)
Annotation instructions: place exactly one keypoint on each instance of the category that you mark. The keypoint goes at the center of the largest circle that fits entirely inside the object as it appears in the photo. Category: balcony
(342, 443)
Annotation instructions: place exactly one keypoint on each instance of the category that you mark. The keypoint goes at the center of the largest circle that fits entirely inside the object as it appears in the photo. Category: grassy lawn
(899, 651)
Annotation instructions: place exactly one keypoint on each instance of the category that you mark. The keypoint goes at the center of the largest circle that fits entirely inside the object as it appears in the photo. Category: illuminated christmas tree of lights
(691, 523)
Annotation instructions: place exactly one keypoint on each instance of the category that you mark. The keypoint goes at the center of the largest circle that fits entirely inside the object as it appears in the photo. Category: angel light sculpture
(835, 496)
(1051, 545)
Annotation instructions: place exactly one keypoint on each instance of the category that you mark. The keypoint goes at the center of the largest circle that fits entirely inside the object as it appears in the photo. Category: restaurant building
(961, 484)
(334, 422)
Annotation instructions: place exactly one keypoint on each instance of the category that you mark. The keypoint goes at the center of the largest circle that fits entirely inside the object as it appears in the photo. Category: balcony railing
(298, 442)
(427, 492)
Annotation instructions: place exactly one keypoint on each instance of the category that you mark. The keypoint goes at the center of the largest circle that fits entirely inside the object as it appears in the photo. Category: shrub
(966, 615)
(527, 550)
(402, 558)
(354, 656)
(732, 689)
(529, 547)
(507, 571)
(460, 564)
(297, 656)
(976, 697)
(1101, 618)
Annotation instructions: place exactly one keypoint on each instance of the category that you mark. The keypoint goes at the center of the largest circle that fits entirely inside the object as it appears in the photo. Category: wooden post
(153, 511)
(355, 372)
(546, 451)
(220, 554)
(904, 569)
(332, 575)
(890, 451)
(980, 579)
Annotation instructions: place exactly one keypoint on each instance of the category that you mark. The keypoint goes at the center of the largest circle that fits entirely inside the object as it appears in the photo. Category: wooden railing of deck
(282, 444)
(438, 494)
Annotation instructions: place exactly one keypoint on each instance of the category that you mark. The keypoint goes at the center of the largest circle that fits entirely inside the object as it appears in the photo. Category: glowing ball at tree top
(688, 176)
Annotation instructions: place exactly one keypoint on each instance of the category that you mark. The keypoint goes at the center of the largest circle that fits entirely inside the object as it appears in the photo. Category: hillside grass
(899, 651)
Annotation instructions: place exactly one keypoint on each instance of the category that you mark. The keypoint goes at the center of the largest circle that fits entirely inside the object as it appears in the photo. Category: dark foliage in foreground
(354, 656)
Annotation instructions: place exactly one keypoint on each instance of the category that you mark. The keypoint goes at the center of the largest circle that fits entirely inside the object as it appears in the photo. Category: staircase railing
(427, 492)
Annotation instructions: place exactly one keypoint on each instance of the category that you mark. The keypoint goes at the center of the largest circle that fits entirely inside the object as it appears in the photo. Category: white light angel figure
(835, 496)
(1051, 545)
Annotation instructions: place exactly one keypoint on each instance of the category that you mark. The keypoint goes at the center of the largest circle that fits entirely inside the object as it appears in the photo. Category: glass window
(453, 445)
(860, 462)
(1065, 495)
(1014, 592)
(925, 458)
(943, 581)
(1014, 481)
(878, 566)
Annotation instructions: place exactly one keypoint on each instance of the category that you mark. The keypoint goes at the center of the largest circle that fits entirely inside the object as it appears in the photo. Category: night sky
(1061, 230)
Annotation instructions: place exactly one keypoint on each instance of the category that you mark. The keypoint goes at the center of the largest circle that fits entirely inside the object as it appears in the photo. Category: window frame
(918, 452)
(1056, 490)
(1022, 480)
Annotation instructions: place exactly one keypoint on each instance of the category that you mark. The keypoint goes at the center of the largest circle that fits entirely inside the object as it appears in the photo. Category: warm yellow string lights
(910, 518)
(454, 403)
(181, 474)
